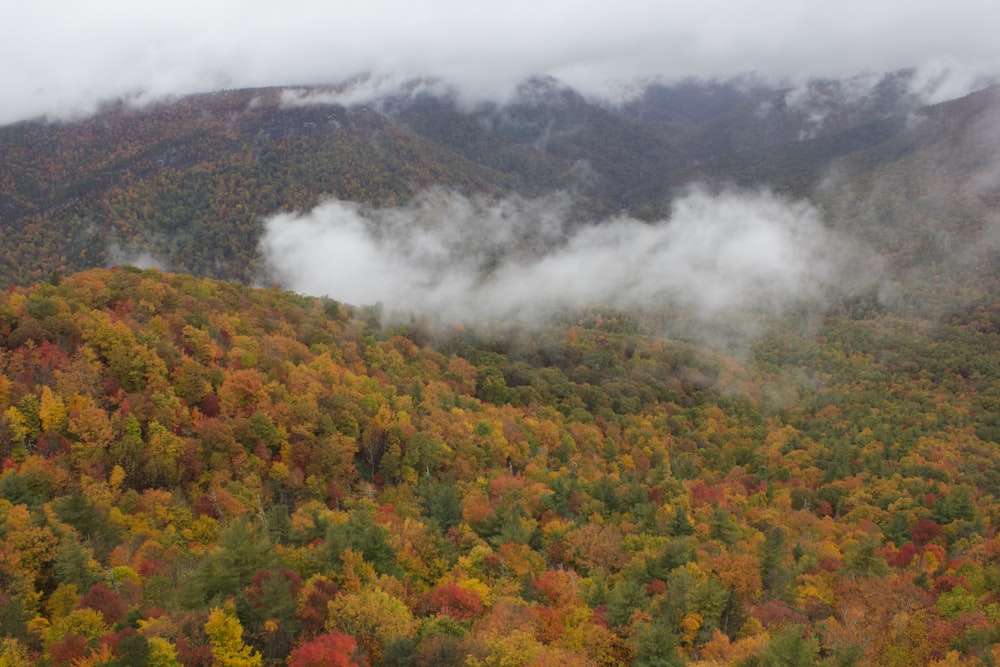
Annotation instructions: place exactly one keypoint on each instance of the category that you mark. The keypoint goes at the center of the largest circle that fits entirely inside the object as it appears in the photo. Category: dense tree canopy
(200, 473)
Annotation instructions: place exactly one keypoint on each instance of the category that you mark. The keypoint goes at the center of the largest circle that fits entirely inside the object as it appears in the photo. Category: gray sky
(61, 57)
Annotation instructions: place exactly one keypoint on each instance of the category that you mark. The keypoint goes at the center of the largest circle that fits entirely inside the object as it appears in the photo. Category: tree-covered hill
(196, 472)
(189, 183)
(927, 197)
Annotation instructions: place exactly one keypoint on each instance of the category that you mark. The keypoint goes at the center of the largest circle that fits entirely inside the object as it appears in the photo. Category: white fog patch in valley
(118, 255)
(473, 259)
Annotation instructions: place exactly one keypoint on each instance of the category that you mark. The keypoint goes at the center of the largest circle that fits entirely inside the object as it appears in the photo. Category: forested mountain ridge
(194, 470)
(927, 196)
(191, 181)
(188, 183)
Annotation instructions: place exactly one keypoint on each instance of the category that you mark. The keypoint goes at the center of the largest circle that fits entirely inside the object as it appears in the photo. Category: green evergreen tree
(788, 648)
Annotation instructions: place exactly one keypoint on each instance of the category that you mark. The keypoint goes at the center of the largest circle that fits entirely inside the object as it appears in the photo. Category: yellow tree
(18, 425)
(225, 634)
(51, 411)
(373, 617)
(162, 653)
(25, 548)
(14, 654)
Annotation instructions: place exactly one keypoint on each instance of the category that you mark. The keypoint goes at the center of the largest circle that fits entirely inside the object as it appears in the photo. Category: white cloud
(64, 57)
(463, 259)
(134, 256)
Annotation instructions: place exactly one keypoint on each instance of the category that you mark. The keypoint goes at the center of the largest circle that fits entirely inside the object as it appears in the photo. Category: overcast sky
(62, 57)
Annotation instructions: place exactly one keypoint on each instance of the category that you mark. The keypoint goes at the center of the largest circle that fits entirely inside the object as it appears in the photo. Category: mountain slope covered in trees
(188, 184)
(182, 456)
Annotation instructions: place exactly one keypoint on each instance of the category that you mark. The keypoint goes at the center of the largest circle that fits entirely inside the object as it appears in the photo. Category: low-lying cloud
(472, 259)
(131, 255)
(71, 56)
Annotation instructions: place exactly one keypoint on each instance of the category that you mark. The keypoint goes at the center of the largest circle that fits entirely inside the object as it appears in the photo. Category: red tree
(455, 601)
(108, 602)
(329, 650)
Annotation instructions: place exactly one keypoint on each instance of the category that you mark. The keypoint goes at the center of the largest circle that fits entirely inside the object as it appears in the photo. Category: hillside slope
(182, 456)
(188, 184)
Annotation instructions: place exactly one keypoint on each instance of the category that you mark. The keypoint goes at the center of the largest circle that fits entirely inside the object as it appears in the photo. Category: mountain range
(186, 184)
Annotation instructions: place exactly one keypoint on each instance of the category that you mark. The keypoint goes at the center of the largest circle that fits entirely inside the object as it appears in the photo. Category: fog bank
(71, 56)
(463, 259)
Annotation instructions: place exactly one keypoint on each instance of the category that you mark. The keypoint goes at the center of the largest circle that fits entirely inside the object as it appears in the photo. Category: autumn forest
(201, 467)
